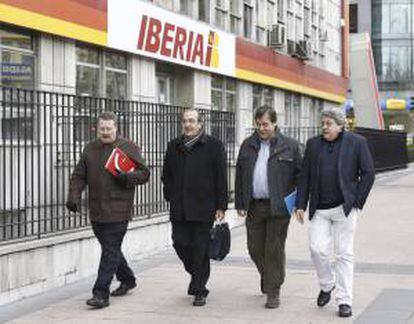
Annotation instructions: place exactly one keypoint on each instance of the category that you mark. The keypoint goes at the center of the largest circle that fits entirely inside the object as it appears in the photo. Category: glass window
(165, 86)
(101, 73)
(268, 96)
(270, 19)
(247, 20)
(116, 61)
(116, 85)
(399, 19)
(203, 12)
(235, 16)
(230, 95)
(299, 28)
(291, 26)
(257, 96)
(288, 109)
(18, 40)
(116, 75)
(87, 81)
(306, 21)
(185, 7)
(220, 18)
(400, 63)
(280, 11)
(87, 71)
(17, 59)
(292, 109)
(217, 83)
(262, 96)
(86, 54)
(223, 93)
(353, 18)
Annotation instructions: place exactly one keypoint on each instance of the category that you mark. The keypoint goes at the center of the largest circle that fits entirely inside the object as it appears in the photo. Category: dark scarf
(189, 142)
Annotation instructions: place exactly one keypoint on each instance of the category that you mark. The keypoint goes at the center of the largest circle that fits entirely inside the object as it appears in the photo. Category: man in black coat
(267, 169)
(195, 184)
(337, 175)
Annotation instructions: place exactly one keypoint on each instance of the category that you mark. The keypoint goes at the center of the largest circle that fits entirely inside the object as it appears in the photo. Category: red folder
(119, 162)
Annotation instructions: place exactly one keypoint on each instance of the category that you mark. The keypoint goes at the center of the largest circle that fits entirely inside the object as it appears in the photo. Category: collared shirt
(260, 183)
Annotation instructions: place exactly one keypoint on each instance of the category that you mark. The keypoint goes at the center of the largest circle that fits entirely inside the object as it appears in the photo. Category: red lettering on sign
(198, 49)
(180, 40)
(153, 35)
(142, 31)
(189, 46)
(166, 39)
(176, 42)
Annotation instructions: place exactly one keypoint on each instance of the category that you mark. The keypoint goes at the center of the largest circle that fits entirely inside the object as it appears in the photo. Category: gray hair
(336, 114)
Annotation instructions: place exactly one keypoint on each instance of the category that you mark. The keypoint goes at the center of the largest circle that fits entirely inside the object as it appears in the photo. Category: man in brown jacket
(110, 204)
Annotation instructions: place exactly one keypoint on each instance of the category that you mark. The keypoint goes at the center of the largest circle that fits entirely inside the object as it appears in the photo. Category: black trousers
(266, 237)
(191, 241)
(110, 237)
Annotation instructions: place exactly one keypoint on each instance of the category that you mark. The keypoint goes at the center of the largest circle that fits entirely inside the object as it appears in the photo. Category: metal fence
(42, 136)
(388, 148)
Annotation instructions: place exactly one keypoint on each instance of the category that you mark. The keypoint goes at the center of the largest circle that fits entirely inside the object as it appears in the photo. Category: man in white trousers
(337, 176)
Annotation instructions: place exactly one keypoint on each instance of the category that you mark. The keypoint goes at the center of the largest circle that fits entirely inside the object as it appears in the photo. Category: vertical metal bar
(33, 141)
(11, 165)
(39, 150)
(58, 168)
(20, 93)
(45, 191)
(4, 151)
(27, 103)
(63, 158)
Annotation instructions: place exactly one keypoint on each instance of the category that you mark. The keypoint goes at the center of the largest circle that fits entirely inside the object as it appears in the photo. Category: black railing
(42, 136)
(388, 148)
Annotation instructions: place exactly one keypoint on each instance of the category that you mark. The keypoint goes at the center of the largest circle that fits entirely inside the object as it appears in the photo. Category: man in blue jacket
(337, 175)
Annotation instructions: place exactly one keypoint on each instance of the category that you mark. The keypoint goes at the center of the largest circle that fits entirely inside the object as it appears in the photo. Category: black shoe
(273, 301)
(199, 300)
(98, 302)
(324, 297)
(123, 289)
(345, 310)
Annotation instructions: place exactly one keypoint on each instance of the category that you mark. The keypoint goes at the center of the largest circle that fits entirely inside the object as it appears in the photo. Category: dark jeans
(191, 241)
(266, 237)
(110, 237)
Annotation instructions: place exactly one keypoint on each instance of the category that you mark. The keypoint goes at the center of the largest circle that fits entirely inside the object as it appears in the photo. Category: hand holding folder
(119, 162)
(290, 201)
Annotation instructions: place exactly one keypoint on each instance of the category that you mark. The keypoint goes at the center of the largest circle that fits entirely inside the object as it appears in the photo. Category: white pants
(328, 224)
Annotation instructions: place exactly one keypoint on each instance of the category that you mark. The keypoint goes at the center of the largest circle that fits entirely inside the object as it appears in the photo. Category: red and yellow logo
(176, 42)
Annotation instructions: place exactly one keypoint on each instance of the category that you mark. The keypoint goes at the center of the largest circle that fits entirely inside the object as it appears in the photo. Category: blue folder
(290, 201)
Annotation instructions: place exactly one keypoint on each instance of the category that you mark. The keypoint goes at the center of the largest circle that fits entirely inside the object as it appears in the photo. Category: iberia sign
(142, 28)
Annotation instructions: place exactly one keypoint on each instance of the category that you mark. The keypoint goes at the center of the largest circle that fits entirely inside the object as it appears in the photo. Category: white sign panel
(142, 28)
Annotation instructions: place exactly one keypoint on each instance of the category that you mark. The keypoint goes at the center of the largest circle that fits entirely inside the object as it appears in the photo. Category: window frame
(11, 113)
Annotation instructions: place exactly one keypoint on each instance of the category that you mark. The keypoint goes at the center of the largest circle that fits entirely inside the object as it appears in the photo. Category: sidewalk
(383, 286)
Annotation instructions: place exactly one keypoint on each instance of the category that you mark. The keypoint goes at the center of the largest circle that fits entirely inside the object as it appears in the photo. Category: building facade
(290, 54)
(390, 25)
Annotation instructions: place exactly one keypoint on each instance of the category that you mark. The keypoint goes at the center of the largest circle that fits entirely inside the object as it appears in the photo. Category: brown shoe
(273, 300)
